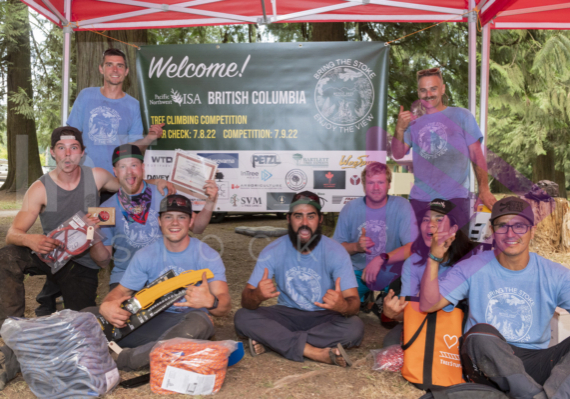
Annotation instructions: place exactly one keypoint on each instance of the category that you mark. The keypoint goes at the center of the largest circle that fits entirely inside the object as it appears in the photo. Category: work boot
(9, 366)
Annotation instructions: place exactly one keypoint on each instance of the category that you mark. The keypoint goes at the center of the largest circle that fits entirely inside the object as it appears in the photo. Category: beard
(310, 244)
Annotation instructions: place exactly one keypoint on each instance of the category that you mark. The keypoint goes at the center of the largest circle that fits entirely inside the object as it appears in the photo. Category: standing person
(512, 295)
(108, 116)
(315, 316)
(377, 231)
(436, 219)
(136, 206)
(445, 141)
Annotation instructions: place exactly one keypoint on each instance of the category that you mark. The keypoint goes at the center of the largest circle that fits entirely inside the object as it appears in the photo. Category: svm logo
(265, 160)
(347, 162)
(265, 175)
(251, 202)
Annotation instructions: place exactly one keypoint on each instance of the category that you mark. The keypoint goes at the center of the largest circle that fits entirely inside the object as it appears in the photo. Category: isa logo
(265, 175)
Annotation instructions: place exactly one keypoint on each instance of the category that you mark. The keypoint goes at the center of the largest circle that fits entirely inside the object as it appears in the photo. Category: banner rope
(439, 23)
(99, 33)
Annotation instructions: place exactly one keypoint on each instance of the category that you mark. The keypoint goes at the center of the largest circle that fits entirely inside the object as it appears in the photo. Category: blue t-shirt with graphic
(519, 304)
(412, 274)
(440, 144)
(105, 123)
(129, 237)
(301, 279)
(388, 227)
(154, 260)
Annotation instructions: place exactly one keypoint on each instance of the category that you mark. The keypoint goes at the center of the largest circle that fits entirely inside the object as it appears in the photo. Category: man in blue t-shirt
(136, 208)
(108, 116)
(188, 318)
(445, 141)
(317, 296)
(377, 231)
(512, 295)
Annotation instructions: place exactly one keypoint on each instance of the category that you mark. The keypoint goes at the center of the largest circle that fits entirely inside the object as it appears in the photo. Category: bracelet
(435, 258)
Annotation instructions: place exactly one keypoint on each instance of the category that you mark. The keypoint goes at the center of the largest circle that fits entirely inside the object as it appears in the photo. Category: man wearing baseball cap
(317, 296)
(177, 251)
(512, 295)
(137, 208)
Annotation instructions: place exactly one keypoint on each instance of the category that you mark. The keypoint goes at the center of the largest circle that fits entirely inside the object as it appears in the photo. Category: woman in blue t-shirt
(436, 219)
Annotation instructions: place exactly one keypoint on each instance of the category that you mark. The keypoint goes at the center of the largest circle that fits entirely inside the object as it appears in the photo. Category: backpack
(431, 346)
(465, 391)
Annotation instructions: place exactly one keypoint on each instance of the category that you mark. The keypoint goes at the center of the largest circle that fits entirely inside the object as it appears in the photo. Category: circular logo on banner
(355, 180)
(296, 179)
(344, 95)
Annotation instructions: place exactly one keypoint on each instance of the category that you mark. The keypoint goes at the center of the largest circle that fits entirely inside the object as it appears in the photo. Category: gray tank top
(62, 204)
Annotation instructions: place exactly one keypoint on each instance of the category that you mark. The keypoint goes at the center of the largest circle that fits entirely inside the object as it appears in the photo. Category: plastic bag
(388, 359)
(77, 237)
(63, 355)
(189, 366)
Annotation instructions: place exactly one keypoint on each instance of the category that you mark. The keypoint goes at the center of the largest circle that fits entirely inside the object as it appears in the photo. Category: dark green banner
(283, 96)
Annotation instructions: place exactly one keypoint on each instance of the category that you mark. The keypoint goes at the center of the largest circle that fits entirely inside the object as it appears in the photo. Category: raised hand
(404, 119)
(198, 297)
(211, 189)
(156, 131)
(364, 242)
(440, 243)
(393, 306)
(266, 289)
(333, 299)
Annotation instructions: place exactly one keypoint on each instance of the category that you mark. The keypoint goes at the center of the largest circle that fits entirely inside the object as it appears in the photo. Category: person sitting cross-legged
(316, 289)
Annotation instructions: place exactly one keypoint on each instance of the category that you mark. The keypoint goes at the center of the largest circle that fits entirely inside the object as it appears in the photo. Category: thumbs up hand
(364, 243)
(333, 299)
(404, 118)
(266, 289)
(198, 296)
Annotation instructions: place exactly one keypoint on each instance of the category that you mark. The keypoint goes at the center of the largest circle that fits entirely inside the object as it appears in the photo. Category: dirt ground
(266, 376)
(269, 375)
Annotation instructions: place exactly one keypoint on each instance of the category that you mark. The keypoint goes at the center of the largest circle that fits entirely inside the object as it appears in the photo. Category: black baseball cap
(440, 205)
(60, 133)
(176, 203)
(127, 151)
(512, 206)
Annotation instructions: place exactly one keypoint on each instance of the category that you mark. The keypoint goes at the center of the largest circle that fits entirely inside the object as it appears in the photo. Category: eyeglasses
(429, 72)
(518, 228)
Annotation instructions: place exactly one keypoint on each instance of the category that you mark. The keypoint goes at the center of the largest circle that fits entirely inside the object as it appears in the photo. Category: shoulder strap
(415, 336)
(439, 393)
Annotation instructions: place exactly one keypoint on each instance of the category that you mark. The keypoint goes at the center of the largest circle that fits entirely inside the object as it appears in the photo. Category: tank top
(63, 204)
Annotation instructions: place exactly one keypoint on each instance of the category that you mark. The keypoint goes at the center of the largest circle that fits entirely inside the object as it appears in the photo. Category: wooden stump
(552, 225)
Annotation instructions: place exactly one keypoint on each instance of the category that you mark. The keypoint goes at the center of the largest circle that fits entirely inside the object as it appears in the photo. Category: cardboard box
(559, 326)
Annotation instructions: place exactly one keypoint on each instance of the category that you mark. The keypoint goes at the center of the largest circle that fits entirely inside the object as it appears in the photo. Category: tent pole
(472, 20)
(66, 61)
(484, 108)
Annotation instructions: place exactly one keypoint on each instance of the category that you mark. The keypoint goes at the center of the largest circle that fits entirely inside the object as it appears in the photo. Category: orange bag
(190, 366)
(431, 347)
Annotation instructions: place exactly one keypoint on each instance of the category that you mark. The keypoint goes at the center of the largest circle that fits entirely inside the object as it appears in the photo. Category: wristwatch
(435, 258)
(215, 305)
(385, 257)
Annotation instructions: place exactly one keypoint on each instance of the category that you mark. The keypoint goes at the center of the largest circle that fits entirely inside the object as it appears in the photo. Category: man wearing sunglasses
(445, 141)
(108, 116)
(316, 291)
(512, 295)
(137, 212)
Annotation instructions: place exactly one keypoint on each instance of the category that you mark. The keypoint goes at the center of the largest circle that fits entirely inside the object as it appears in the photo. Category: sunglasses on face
(429, 72)
(176, 201)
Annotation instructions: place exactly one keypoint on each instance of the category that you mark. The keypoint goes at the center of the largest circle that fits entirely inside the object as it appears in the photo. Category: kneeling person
(317, 293)
(186, 319)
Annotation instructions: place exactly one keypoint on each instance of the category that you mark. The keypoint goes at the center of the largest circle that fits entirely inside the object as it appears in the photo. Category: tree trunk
(328, 32)
(23, 157)
(560, 179)
(90, 47)
(543, 167)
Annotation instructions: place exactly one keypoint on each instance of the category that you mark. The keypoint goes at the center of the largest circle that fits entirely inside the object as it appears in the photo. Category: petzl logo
(265, 160)
(331, 180)
(265, 175)
(355, 180)
(224, 160)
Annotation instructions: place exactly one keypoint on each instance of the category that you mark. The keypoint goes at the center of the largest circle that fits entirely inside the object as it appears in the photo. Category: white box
(559, 326)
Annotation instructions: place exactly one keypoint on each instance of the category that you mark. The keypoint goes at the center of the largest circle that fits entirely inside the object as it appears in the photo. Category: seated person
(512, 296)
(436, 219)
(315, 316)
(377, 231)
(136, 208)
(188, 318)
